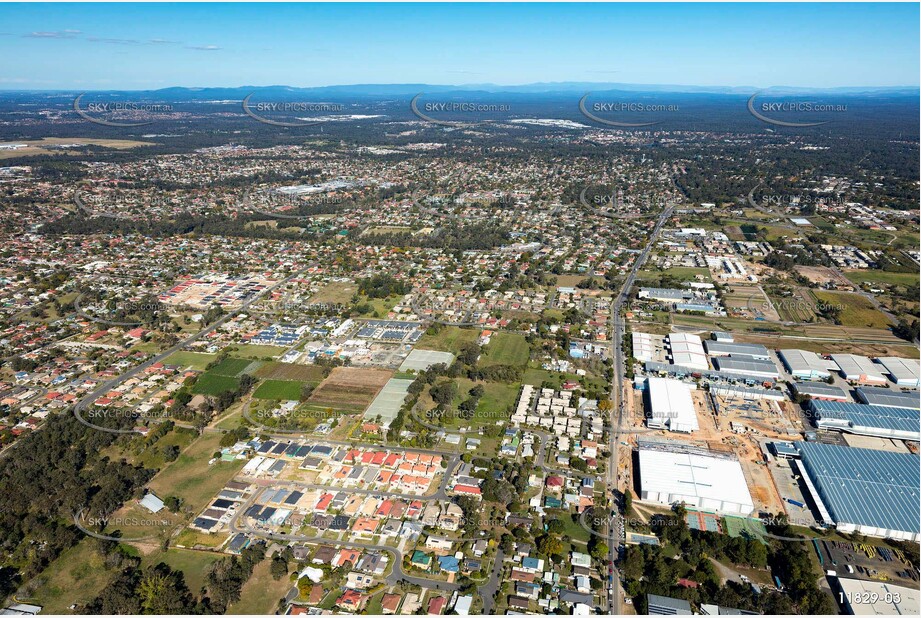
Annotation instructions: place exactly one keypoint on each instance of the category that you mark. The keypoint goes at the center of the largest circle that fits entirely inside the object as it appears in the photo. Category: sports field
(745, 527)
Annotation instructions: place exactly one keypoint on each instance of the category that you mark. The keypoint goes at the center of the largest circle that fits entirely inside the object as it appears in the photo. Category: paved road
(491, 587)
(617, 389)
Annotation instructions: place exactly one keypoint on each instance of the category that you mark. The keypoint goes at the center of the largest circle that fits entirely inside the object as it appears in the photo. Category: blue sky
(141, 46)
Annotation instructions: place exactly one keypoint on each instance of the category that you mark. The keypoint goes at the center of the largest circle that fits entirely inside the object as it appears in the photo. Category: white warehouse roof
(688, 351)
(859, 368)
(698, 480)
(903, 371)
(671, 405)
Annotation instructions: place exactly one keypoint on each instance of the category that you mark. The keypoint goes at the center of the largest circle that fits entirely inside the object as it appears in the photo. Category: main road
(617, 410)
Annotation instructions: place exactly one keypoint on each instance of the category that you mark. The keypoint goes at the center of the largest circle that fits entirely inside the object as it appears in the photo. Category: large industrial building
(671, 406)
(805, 365)
(875, 493)
(888, 397)
(688, 351)
(737, 350)
(819, 390)
(859, 369)
(867, 420)
(902, 371)
(673, 473)
(746, 368)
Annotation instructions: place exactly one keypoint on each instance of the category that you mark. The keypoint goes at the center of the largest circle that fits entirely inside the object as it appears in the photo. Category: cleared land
(339, 292)
(51, 146)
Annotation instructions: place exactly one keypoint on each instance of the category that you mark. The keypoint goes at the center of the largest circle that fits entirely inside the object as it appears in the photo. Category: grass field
(881, 276)
(193, 360)
(856, 310)
(506, 349)
(279, 389)
(77, 576)
(230, 366)
(193, 564)
(448, 339)
(213, 384)
(191, 478)
(261, 592)
(247, 350)
(492, 407)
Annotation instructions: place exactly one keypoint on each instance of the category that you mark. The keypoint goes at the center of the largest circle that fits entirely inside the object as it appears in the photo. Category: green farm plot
(193, 360)
(213, 384)
(506, 349)
(279, 389)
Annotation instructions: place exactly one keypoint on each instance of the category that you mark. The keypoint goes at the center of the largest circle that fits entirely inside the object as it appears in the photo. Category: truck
(795, 502)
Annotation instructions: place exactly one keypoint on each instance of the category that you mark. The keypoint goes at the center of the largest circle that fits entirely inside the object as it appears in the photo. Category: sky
(149, 46)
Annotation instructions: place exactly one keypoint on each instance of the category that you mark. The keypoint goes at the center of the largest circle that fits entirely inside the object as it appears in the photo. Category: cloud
(203, 47)
(113, 41)
(162, 42)
(55, 34)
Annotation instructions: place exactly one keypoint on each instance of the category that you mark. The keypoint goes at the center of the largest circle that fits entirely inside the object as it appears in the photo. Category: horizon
(142, 47)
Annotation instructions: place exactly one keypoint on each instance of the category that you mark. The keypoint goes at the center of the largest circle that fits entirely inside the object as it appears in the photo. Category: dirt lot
(823, 275)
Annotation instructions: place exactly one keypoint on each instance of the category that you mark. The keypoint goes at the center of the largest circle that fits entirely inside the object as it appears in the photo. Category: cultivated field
(349, 389)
